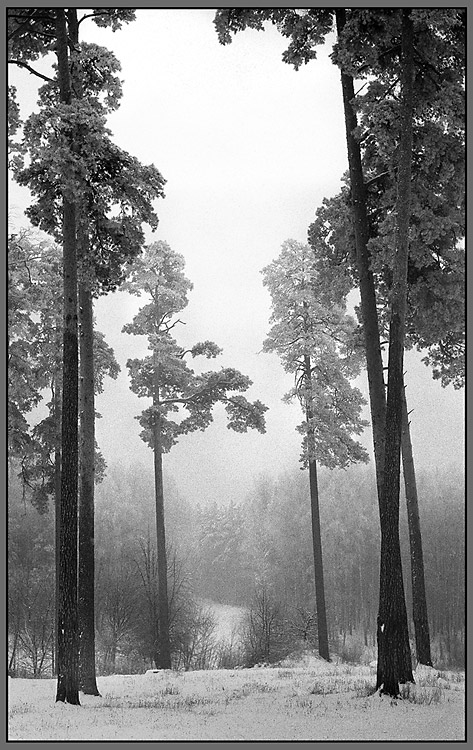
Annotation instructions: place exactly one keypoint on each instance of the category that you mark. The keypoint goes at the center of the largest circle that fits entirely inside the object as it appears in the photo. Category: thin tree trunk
(316, 534)
(113, 657)
(87, 675)
(67, 626)
(164, 657)
(394, 656)
(318, 564)
(57, 512)
(419, 601)
(369, 313)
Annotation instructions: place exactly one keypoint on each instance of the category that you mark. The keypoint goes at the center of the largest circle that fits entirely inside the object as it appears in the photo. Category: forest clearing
(304, 699)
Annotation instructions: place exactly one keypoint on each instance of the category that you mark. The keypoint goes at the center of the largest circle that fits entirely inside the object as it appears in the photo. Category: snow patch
(153, 672)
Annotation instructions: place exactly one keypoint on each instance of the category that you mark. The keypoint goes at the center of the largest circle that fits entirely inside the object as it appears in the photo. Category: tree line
(393, 233)
(256, 555)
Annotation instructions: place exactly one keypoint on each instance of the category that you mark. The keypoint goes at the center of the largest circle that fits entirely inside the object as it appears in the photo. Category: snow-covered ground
(307, 699)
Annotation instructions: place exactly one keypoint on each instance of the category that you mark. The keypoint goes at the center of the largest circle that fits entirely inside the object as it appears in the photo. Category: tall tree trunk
(369, 313)
(316, 534)
(86, 573)
(419, 601)
(393, 642)
(87, 675)
(67, 625)
(394, 656)
(164, 656)
(57, 511)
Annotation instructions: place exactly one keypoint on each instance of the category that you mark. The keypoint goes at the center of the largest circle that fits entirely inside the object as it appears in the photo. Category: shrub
(352, 649)
(266, 638)
(229, 655)
(427, 695)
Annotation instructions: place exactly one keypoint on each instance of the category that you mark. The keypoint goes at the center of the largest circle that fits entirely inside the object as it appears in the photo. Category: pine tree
(165, 377)
(311, 333)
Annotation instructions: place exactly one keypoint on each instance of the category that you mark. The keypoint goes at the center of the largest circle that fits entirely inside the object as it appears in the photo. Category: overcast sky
(249, 149)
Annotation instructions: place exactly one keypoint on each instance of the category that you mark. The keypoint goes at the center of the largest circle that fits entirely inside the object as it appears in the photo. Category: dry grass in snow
(307, 699)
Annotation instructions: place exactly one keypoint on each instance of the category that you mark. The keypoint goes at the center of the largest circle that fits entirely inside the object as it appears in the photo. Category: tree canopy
(165, 374)
(310, 320)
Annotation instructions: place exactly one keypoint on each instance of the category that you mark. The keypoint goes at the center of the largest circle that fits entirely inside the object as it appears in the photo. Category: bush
(353, 648)
(230, 653)
(426, 696)
(194, 644)
(266, 635)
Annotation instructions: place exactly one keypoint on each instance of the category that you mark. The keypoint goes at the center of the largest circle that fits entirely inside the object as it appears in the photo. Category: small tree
(165, 377)
(116, 607)
(311, 334)
(194, 639)
(264, 633)
(303, 624)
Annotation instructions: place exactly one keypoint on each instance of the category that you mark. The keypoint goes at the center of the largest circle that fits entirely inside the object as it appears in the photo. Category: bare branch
(93, 15)
(170, 327)
(22, 64)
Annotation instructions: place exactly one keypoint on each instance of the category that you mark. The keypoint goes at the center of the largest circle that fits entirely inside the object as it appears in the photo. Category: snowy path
(244, 704)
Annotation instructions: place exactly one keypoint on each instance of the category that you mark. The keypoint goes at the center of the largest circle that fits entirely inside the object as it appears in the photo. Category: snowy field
(304, 700)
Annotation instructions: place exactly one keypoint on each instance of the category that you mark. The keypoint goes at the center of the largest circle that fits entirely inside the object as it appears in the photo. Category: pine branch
(246, 406)
(395, 48)
(170, 327)
(31, 16)
(194, 396)
(22, 64)
(93, 15)
(429, 66)
(376, 178)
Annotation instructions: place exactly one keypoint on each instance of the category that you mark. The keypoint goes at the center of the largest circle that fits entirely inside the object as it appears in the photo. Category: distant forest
(256, 555)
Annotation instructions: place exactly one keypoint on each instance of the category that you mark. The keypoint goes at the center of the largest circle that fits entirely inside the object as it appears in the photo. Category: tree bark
(394, 656)
(87, 674)
(322, 630)
(67, 626)
(419, 601)
(164, 651)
